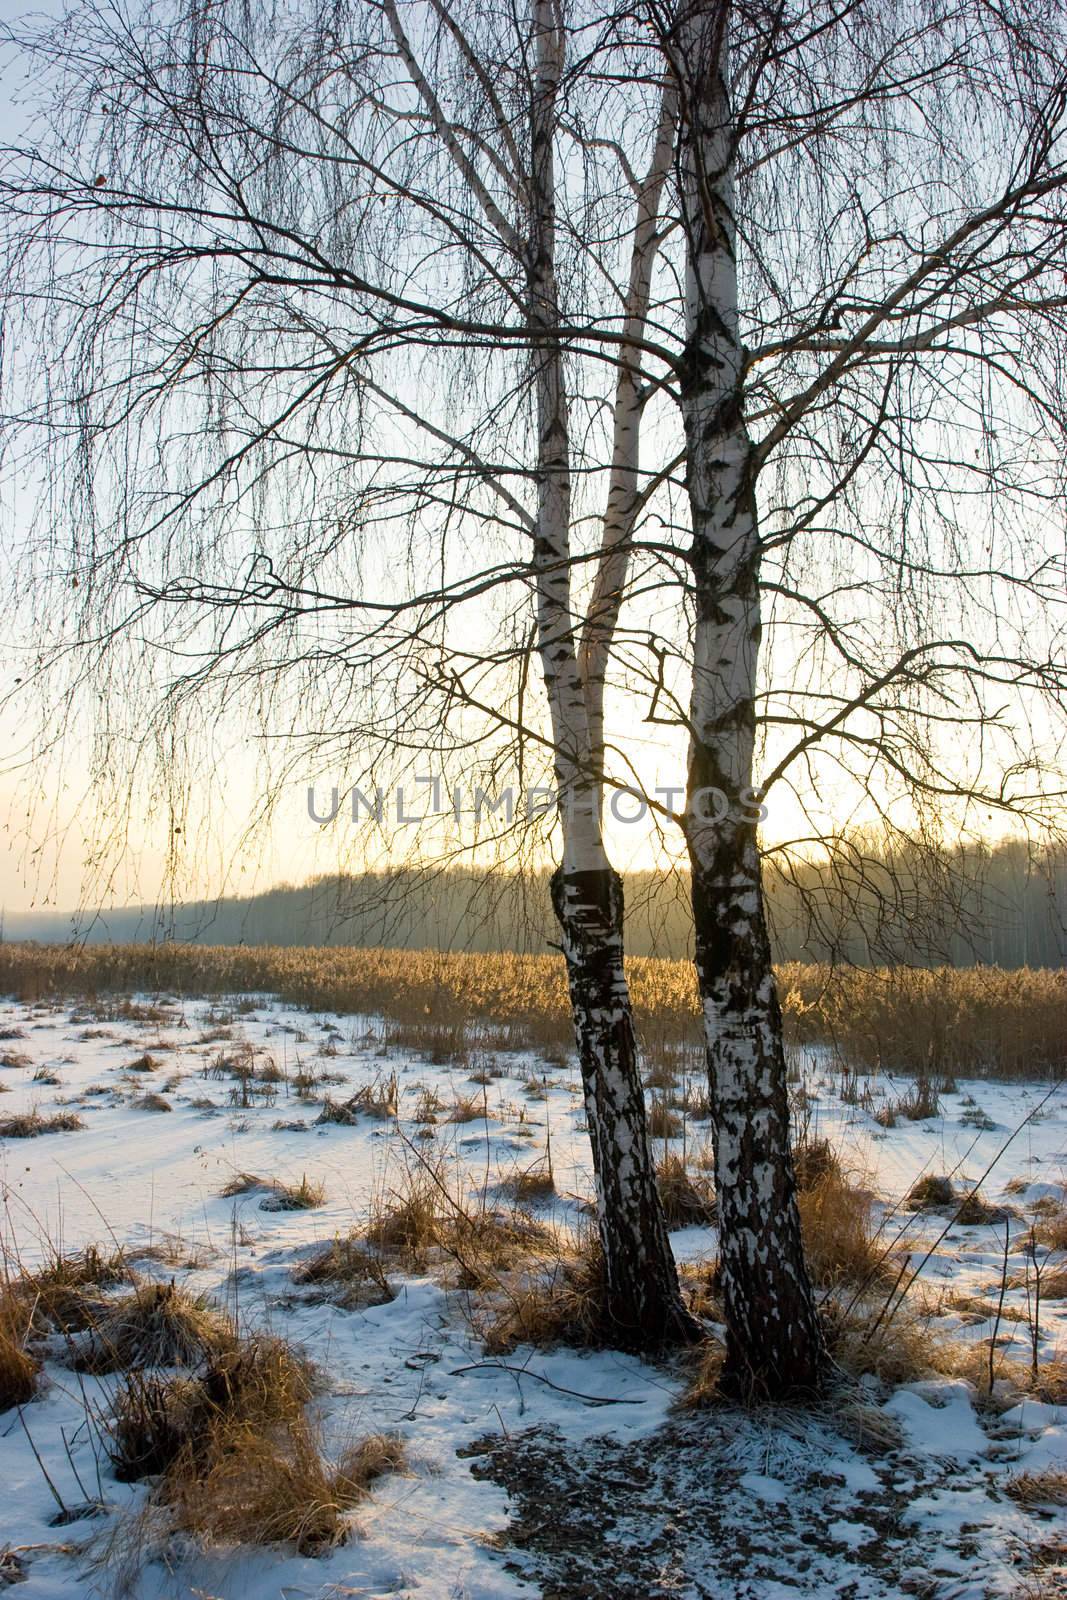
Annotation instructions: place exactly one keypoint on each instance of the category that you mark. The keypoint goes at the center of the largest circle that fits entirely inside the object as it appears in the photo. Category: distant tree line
(1001, 906)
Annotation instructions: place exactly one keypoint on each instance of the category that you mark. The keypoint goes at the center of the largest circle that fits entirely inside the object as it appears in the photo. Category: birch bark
(644, 1306)
(774, 1341)
(630, 398)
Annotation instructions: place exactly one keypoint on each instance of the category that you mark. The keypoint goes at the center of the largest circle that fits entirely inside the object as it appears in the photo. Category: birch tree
(324, 247)
(296, 287)
(874, 420)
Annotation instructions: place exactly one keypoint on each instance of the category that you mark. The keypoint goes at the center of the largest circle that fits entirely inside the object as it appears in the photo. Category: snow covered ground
(522, 1482)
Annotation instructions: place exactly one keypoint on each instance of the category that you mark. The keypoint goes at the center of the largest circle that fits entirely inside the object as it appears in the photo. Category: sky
(64, 840)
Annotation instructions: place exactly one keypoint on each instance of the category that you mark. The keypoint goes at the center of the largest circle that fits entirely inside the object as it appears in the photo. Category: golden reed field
(967, 1021)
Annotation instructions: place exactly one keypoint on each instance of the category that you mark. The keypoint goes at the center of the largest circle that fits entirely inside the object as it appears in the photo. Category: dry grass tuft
(1048, 1488)
(982, 1310)
(405, 1223)
(235, 1459)
(144, 1063)
(932, 1191)
(840, 1240)
(703, 1388)
(151, 1102)
(663, 1122)
(155, 1417)
(427, 1105)
(467, 1108)
(18, 1369)
(347, 1274)
(529, 1184)
(901, 1348)
(341, 1112)
(702, 1289)
(252, 1486)
(696, 1102)
(483, 1242)
(64, 1296)
(277, 1195)
(561, 1302)
(155, 1325)
(421, 1219)
(31, 1124)
(371, 1458)
(814, 1160)
(378, 1099)
(688, 1199)
(302, 1196)
(974, 1210)
(243, 1183)
(868, 1426)
(1051, 1230)
(1050, 1385)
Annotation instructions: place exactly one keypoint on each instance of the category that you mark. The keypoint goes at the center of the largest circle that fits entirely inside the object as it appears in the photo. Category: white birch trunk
(643, 1303)
(623, 485)
(774, 1343)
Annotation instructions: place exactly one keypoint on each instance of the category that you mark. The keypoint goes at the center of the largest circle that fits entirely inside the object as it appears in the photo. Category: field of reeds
(974, 1021)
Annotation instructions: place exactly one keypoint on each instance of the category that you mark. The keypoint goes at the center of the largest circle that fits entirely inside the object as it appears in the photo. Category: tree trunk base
(775, 1345)
(643, 1311)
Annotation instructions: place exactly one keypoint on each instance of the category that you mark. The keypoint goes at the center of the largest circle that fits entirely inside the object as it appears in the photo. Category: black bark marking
(644, 1307)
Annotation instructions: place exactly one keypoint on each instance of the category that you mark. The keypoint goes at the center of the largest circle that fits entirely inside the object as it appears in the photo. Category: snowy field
(522, 1480)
